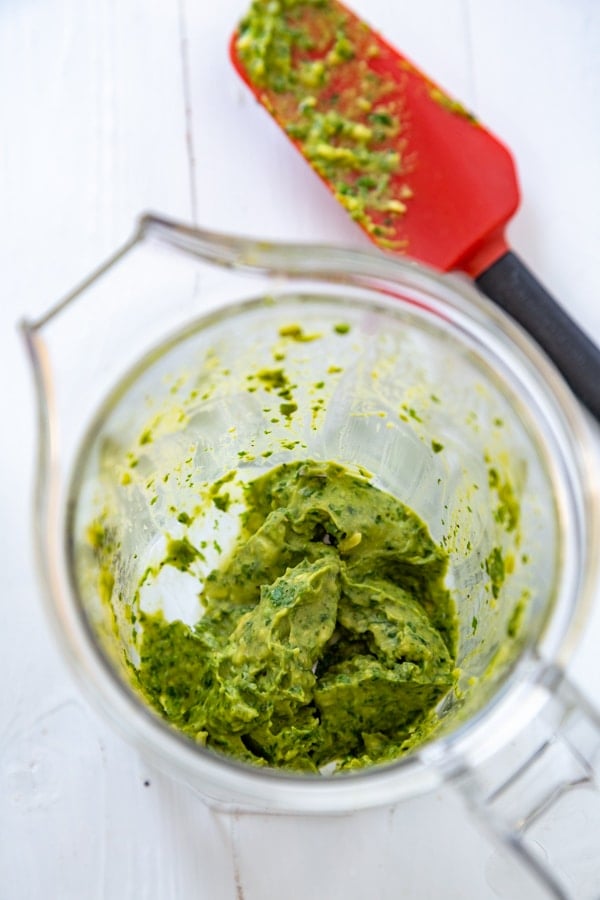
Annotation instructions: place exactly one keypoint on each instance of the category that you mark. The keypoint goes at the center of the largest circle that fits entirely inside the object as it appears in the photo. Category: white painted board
(111, 107)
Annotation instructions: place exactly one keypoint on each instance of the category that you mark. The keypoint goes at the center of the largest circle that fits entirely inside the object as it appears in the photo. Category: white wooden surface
(109, 107)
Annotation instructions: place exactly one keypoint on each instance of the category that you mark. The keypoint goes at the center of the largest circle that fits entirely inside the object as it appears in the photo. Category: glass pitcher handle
(540, 794)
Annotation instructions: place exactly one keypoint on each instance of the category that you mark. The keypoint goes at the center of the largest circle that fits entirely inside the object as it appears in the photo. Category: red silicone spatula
(411, 165)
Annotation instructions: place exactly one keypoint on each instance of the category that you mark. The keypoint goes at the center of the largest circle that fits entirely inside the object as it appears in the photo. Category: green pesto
(451, 104)
(296, 333)
(222, 501)
(328, 634)
(288, 409)
(495, 568)
(272, 379)
(508, 510)
(517, 617)
(314, 65)
(181, 554)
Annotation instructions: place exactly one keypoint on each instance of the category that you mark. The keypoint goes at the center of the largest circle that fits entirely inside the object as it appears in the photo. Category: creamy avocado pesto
(328, 635)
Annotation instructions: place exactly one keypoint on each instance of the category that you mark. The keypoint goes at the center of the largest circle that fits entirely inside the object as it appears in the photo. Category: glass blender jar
(438, 395)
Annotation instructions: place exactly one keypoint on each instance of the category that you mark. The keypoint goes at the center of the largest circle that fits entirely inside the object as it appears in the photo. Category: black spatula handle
(511, 285)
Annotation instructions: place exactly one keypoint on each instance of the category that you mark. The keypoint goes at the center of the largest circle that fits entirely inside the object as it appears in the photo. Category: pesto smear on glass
(328, 635)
